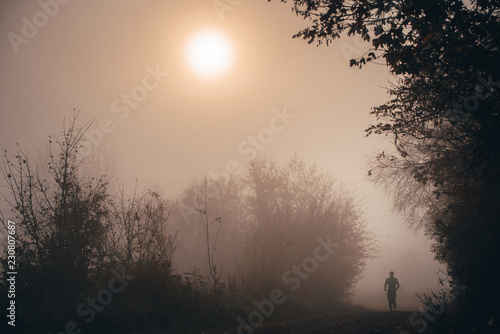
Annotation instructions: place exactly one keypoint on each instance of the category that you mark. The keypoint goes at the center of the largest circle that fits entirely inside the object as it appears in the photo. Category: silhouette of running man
(393, 284)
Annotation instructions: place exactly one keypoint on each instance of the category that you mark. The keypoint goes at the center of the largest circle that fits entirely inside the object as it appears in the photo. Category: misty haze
(243, 166)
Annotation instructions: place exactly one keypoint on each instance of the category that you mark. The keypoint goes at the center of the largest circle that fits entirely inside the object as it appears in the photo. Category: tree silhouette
(61, 217)
(208, 221)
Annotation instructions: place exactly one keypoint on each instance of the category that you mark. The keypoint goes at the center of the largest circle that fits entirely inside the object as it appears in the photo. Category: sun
(209, 54)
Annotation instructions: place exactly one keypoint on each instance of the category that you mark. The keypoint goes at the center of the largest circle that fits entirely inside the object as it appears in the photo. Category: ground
(348, 323)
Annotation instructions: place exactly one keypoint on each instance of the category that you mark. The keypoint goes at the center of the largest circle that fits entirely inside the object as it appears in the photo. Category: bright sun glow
(209, 54)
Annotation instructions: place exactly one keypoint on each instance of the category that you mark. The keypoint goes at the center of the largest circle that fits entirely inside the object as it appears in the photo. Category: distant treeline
(93, 259)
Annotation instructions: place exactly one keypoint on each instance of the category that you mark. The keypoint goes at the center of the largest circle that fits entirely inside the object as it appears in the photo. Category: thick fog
(280, 99)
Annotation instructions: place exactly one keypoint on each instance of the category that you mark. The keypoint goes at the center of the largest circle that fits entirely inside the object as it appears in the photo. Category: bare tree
(140, 235)
(289, 207)
(61, 217)
(216, 205)
(209, 221)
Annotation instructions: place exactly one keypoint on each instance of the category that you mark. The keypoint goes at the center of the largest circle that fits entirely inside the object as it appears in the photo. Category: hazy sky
(124, 65)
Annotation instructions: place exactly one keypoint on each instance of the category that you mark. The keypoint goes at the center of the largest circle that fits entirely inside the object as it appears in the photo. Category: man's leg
(389, 299)
(391, 296)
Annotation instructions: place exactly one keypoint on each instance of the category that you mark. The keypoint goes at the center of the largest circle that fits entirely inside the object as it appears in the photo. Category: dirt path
(353, 323)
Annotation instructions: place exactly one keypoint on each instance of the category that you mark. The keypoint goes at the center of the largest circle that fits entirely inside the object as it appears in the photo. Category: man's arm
(397, 284)
(385, 285)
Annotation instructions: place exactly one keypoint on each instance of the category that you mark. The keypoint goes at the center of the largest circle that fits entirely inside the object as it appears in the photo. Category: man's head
(391, 273)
